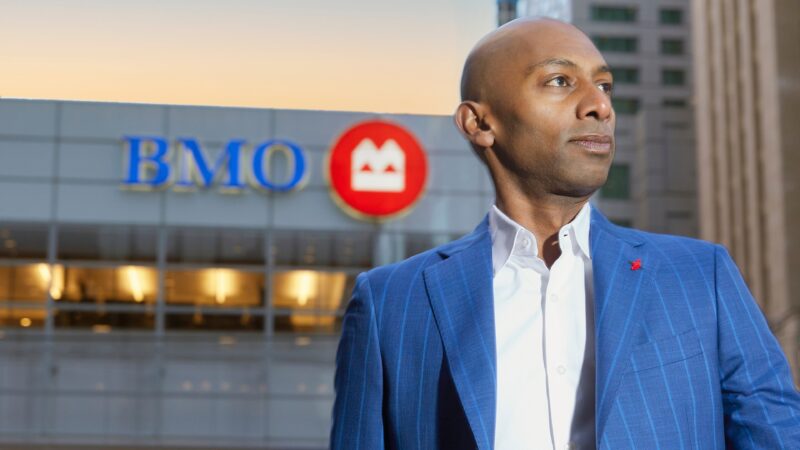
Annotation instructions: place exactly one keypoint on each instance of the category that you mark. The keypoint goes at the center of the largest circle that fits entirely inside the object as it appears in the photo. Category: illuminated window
(29, 282)
(308, 300)
(118, 285)
(21, 318)
(214, 287)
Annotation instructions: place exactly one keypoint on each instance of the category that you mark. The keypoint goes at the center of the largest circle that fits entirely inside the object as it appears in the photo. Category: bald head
(502, 51)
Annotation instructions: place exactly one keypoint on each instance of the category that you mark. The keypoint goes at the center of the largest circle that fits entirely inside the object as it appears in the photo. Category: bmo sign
(376, 169)
(153, 163)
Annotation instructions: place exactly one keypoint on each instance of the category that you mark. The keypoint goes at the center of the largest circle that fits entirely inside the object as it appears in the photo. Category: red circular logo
(377, 169)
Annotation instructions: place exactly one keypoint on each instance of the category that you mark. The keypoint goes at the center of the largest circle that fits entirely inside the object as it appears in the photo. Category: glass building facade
(178, 317)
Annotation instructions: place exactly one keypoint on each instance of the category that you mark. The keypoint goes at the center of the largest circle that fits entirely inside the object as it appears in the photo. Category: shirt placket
(558, 307)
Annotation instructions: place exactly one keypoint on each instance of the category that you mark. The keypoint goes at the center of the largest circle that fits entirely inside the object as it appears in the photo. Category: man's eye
(606, 87)
(560, 81)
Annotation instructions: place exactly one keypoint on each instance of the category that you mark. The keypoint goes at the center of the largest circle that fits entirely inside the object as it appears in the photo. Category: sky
(398, 56)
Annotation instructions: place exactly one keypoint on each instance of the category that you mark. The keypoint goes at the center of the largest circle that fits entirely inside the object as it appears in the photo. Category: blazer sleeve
(358, 382)
(760, 403)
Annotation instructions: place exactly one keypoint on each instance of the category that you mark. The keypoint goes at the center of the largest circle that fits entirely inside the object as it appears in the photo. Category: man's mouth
(595, 143)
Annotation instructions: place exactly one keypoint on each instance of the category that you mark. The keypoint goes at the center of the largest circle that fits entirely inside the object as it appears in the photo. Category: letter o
(297, 159)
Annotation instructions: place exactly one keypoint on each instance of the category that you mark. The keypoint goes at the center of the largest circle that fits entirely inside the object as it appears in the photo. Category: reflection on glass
(21, 318)
(214, 246)
(198, 321)
(125, 284)
(107, 242)
(25, 283)
(104, 321)
(313, 298)
(214, 287)
(21, 240)
(293, 248)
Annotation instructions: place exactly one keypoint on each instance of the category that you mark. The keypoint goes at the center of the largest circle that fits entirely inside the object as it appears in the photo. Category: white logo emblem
(378, 169)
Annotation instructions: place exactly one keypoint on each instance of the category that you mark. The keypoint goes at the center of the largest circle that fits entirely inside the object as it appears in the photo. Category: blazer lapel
(461, 296)
(622, 267)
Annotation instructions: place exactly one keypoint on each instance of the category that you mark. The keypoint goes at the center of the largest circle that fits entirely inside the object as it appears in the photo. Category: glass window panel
(291, 248)
(618, 184)
(625, 106)
(216, 287)
(205, 245)
(613, 13)
(203, 321)
(625, 75)
(18, 240)
(104, 321)
(671, 46)
(107, 242)
(616, 44)
(22, 318)
(28, 282)
(671, 16)
(307, 323)
(673, 103)
(673, 77)
(115, 285)
(314, 299)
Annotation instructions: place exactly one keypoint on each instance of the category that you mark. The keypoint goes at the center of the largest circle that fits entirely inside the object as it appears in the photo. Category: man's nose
(595, 104)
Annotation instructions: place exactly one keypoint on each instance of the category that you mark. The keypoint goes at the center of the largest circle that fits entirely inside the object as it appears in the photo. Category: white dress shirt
(544, 325)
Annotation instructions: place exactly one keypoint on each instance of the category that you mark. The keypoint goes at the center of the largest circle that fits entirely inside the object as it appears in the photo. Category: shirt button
(561, 370)
(525, 242)
(553, 297)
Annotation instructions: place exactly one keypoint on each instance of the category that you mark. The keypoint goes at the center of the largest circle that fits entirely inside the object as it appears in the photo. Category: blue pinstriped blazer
(684, 356)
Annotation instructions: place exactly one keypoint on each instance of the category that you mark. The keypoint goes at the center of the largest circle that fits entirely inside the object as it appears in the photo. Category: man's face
(553, 121)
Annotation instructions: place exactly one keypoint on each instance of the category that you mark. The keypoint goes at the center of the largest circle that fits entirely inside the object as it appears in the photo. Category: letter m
(194, 168)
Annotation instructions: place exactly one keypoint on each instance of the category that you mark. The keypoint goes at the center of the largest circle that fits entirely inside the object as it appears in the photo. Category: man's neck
(543, 216)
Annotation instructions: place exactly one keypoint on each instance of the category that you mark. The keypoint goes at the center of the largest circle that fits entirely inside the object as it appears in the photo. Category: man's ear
(470, 120)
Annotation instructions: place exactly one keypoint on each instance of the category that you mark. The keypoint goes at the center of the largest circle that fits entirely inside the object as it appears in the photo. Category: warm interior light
(221, 282)
(56, 284)
(304, 286)
(25, 322)
(135, 281)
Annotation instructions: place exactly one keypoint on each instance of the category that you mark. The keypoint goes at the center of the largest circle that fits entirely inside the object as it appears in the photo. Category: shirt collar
(506, 233)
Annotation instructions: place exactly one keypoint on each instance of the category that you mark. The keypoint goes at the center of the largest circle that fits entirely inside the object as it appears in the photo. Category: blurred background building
(652, 184)
(712, 155)
(188, 317)
(747, 62)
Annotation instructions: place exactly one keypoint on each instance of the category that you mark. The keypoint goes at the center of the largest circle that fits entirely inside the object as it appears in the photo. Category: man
(549, 327)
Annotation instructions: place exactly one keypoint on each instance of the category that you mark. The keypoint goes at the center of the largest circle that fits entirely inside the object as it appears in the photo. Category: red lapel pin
(636, 264)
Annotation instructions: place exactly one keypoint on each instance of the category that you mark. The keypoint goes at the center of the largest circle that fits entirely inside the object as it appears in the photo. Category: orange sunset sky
(354, 55)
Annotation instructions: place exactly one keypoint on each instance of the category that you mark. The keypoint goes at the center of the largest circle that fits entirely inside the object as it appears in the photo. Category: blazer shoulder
(678, 249)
